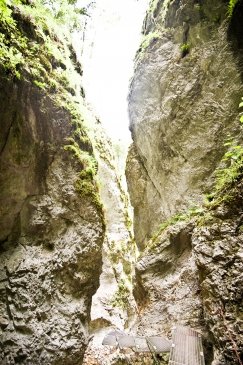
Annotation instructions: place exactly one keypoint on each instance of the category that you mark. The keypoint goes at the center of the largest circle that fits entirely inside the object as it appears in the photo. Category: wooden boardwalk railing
(186, 347)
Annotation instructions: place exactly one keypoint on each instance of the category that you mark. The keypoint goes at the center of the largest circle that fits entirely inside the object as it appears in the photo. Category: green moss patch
(121, 297)
(231, 6)
(35, 45)
(227, 178)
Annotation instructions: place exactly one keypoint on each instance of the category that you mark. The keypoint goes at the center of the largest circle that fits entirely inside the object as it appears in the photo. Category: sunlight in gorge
(112, 37)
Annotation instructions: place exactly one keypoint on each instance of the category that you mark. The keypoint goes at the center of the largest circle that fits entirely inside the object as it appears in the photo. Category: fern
(231, 6)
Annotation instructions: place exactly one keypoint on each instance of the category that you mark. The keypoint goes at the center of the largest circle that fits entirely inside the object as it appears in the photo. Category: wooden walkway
(153, 344)
(186, 347)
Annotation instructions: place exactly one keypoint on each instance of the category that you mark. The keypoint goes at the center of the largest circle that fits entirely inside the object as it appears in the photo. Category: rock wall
(217, 247)
(191, 274)
(51, 236)
(168, 279)
(113, 305)
(51, 220)
(183, 104)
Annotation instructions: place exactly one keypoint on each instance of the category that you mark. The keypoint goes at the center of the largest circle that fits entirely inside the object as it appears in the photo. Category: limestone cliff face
(192, 275)
(51, 237)
(168, 283)
(182, 104)
(217, 247)
(52, 225)
(113, 305)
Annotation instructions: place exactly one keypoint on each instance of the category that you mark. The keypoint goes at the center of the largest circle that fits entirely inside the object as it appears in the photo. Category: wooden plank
(186, 347)
(154, 344)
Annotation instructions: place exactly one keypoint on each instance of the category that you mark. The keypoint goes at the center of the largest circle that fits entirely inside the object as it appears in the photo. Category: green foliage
(194, 211)
(41, 85)
(6, 14)
(12, 42)
(231, 6)
(121, 297)
(65, 12)
(37, 46)
(86, 160)
(148, 39)
(227, 176)
(43, 56)
(146, 42)
(225, 187)
(185, 48)
(88, 188)
(86, 184)
(51, 14)
(84, 187)
(39, 50)
(205, 218)
(80, 133)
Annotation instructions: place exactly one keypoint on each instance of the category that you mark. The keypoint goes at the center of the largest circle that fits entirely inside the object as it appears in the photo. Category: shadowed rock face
(168, 279)
(193, 276)
(182, 106)
(51, 237)
(219, 257)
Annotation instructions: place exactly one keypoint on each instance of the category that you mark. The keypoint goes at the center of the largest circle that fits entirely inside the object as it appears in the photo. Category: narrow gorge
(102, 233)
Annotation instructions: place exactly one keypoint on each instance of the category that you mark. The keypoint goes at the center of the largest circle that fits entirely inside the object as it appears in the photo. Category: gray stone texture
(51, 237)
(218, 249)
(181, 107)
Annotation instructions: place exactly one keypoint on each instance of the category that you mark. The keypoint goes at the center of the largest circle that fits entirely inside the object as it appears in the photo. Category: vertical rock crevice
(113, 305)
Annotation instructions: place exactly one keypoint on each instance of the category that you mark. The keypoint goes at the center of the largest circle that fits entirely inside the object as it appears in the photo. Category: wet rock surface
(51, 236)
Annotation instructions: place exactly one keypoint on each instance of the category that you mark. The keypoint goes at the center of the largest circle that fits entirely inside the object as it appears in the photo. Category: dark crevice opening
(235, 35)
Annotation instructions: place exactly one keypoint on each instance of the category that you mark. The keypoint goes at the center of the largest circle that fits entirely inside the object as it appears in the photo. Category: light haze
(112, 36)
